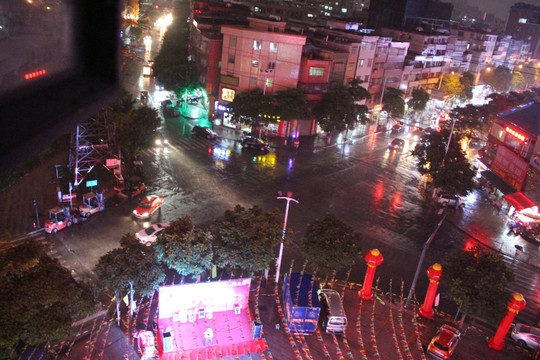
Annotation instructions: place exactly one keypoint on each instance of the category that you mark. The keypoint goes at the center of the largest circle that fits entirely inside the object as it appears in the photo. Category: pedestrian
(208, 337)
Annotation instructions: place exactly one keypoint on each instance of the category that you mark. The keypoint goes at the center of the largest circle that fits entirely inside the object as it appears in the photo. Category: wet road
(371, 188)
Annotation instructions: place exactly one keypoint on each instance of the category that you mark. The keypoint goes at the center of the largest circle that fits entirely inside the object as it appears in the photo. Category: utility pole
(288, 198)
(424, 250)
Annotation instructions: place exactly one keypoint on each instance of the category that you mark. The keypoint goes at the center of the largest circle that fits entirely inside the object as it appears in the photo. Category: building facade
(524, 24)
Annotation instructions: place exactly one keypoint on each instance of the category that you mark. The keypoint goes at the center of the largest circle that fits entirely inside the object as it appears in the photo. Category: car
(204, 132)
(444, 342)
(144, 98)
(396, 144)
(159, 139)
(531, 235)
(396, 129)
(416, 135)
(252, 142)
(147, 206)
(446, 199)
(526, 336)
(148, 235)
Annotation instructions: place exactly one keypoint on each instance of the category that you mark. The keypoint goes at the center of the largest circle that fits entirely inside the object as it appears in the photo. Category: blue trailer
(301, 303)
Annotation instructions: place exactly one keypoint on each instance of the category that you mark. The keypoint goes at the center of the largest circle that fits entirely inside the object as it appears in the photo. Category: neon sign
(515, 134)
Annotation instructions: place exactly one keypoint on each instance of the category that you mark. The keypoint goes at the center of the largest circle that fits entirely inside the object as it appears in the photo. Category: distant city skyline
(500, 8)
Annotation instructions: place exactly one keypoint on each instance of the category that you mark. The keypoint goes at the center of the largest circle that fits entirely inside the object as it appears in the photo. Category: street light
(424, 250)
(289, 198)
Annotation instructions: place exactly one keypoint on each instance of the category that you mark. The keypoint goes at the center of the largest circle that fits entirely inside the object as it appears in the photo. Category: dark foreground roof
(526, 117)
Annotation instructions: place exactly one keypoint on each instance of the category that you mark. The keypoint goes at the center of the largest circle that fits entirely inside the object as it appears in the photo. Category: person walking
(208, 337)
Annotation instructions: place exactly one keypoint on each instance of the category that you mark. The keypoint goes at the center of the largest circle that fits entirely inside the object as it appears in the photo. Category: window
(271, 65)
(361, 62)
(366, 78)
(363, 46)
(257, 45)
(231, 59)
(350, 67)
(316, 71)
(253, 81)
(369, 62)
(353, 51)
(255, 63)
(232, 41)
(273, 47)
(269, 83)
(522, 21)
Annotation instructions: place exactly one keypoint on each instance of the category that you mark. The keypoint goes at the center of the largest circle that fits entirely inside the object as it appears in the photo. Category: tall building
(524, 24)
(398, 13)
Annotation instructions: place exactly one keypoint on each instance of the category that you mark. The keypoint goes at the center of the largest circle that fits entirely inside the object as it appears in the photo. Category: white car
(149, 235)
(451, 200)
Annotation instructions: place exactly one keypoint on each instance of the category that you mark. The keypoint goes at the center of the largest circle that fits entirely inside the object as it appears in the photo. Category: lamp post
(288, 198)
(424, 250)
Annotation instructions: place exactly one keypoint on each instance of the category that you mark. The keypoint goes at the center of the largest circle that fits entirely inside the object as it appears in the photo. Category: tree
(245, 239)
(478, 280)
(518, 81)
(252, 108)
(290, 104)
(125, 103)
(419, 100)
(135, 130)
(393, 102)
(499, 78)
(339, 108)
(119, 271)
(38, 297)
(330, 244)
(469, 120)
(452, 85)
(452, 172)
(184, 248)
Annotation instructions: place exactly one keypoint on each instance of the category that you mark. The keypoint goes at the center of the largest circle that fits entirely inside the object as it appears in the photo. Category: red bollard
(373, 259)
(515, 305)
(434, 274)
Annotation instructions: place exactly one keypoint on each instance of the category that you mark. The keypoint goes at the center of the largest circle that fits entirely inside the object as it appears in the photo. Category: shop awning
(498, 182)
(519, 200)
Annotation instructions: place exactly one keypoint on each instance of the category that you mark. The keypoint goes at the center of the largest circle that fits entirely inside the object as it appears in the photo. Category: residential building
(524, 24)
(458, 57)
(314, 75)
(480, 44)
(510, 52)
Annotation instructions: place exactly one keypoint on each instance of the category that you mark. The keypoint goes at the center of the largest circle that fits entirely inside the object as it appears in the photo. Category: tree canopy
(245, 239)
(456, 175)
(419, 100)
(478, 280)
(134, 131)
(499, 78)
(393, 102)
(290, 104)
(330, 244)
(340, 107)
(253, 108)
(39, 298)
(458, 86)
(185, 248)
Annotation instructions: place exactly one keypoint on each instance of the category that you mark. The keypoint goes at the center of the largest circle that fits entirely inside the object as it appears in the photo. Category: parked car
(530, 235)
(397, 128)
(204, 132)
(445, 341)
(147, 206)
(251, 142)
(526, 336)
(149, 234)
(396, 144)
(446, 199)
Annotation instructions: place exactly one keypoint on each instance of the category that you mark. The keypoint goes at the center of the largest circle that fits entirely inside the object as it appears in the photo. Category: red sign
(510, 167)
(68, 197)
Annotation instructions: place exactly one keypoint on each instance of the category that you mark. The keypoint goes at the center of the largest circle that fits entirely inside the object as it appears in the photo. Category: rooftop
(526, 117)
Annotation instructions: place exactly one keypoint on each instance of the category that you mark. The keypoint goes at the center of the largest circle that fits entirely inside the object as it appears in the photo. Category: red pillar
(434, 274)
(373, 259)
(515, 305)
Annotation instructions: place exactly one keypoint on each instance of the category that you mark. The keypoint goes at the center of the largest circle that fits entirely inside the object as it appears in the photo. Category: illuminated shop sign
(515, 134)
(227, 94)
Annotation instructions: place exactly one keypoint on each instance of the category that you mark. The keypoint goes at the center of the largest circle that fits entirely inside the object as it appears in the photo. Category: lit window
(269, 83)
(316, 71)
(257, 45)
(273, 47)
(343, 10)
(255, 63)
(361, 62)
(522, 21)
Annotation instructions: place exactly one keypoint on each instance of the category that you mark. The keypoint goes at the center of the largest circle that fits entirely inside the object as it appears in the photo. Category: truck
(92, 203)
(59, 218)
(301, 303)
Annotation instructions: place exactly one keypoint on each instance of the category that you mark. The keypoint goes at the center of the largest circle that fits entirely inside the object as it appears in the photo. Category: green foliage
(478, 279)
(469, 120)
(250, 108)
(456, 175)
(133, 263)
(38, 297)
(419, 100)
(290, 104)
(499, 78)
(330, 244)
(125, 103)
(135, 130)
(245, 239)
(184, 248)
(393, 102)
(518, 81)
(136, 32)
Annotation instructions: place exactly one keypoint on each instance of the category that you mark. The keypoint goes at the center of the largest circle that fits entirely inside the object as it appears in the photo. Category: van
(333, 317)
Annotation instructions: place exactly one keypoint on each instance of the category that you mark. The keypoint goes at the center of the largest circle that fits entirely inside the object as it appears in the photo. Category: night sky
(500, 8)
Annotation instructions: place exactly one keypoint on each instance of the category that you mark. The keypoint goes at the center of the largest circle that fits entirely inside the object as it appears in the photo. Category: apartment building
(524, 24)
(426, 58)
(458, 57)
(480, 45)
